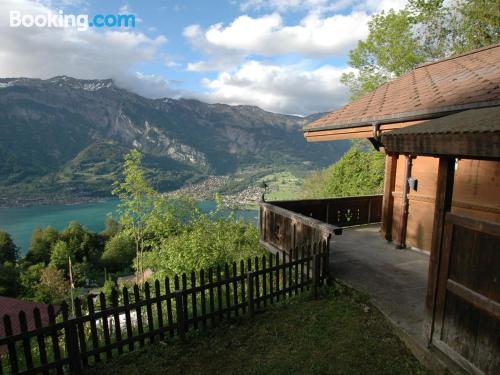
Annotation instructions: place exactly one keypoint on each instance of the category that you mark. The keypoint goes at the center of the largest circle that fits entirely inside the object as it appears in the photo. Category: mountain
(67, 136)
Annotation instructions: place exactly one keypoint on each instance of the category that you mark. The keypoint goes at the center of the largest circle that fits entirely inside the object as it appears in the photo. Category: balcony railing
(285, 225)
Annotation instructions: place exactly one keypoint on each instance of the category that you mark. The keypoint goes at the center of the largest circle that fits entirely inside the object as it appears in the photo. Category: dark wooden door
(467, 320)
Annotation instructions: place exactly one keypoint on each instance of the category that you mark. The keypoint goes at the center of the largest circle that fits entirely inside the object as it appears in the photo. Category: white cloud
(293, 89)
(321, 6)
(48, 52)
(267, 35)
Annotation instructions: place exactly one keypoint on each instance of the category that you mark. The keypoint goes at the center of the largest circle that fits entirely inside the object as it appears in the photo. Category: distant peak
(82, 84)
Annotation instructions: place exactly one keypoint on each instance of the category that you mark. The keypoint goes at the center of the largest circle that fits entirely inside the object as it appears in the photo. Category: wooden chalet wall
(476, 194)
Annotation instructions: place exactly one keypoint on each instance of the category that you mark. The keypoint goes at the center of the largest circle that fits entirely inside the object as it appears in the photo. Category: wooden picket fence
(156, 313)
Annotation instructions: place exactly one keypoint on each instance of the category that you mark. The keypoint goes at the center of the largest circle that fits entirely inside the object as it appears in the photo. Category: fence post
(315, 279)
(72, 347)
(179, 308)
(326, 260)
(251, 293)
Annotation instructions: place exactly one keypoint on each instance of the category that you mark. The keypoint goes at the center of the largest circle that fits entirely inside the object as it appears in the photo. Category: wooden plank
(219, 293)
(235, 289)
(116, 318)
(194, 309)
(242, 275)
(478, 225)
(40, 338)
(444, 194)
(11, 346)
(81, 332)
(170, 317)
(211, 296)
(290, 272)
(264, 281)
(56, 351)
(257, 283)
(277, 276)
(138, 313)
(93, 328)
(296, 258)
(105, 326)
(28, 358)
(128, 320)
(227, 290)
(185, 304)
(477, 300)
(203, 300)
(149, 312)
(284, 275)
(271, 278)
(159, 309)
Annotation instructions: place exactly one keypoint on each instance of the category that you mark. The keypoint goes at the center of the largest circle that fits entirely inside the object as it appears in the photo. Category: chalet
(439, 128)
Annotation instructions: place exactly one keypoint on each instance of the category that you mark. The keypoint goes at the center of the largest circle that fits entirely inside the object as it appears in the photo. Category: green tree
(358, 172)
(8, 279)
(41, 244)
(111, 228)
(29, 278)
(136, 203)
(207, 240)
(424, 31)
(8, 249)
(389, 51)
(119, 252)
(60, 256)
(53, 286)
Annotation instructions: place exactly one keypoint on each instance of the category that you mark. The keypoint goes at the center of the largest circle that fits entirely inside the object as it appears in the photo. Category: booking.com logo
(80, 22)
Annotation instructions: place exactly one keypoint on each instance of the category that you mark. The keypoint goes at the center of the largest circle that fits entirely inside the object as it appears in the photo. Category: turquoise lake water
(20, 222)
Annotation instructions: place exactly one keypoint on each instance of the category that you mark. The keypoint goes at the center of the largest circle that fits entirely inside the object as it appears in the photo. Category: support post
(443, 202)
(388, 202)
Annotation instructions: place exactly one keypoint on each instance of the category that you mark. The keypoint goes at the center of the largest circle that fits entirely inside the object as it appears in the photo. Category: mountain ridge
(66, 136)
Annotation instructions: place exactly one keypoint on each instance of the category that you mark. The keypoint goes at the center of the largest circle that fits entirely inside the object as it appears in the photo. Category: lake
(20, 222)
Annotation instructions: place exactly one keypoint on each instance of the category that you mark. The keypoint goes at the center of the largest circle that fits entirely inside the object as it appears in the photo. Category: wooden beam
(442, 205)
(484, 145)
(388, 200)
(477, 300)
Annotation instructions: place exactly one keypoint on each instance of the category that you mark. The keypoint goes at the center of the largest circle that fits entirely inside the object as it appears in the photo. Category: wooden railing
(196, 302)
(287, 224)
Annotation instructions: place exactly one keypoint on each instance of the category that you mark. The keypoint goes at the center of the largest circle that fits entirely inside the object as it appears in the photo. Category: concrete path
(395, 279)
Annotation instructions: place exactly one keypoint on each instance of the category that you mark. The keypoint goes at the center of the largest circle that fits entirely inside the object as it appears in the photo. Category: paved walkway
(395, 279)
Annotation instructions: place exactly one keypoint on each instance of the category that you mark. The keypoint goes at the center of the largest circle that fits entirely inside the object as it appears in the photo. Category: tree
(358, 172)
(29, 278)
(424, 31)
(53, 286)
(389, 51)
(112, 227)
(8, 249)
(119, 252)
(60, 256)
(8, 279)
(41, 244)
(136, 203)
(207, 240)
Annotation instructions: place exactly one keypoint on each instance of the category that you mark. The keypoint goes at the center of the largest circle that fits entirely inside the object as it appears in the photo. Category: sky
(284, 56)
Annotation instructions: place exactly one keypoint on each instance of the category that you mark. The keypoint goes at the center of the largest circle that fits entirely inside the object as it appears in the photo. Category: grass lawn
(341, 333)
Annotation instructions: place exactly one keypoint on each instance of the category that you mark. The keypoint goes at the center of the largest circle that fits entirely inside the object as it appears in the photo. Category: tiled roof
(467, 81)
(484, 120)
(13, 306)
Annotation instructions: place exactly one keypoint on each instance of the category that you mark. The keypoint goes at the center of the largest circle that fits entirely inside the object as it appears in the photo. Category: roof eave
(425, 114)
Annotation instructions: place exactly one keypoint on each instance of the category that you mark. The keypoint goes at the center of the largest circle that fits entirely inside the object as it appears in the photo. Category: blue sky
(282, 55)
